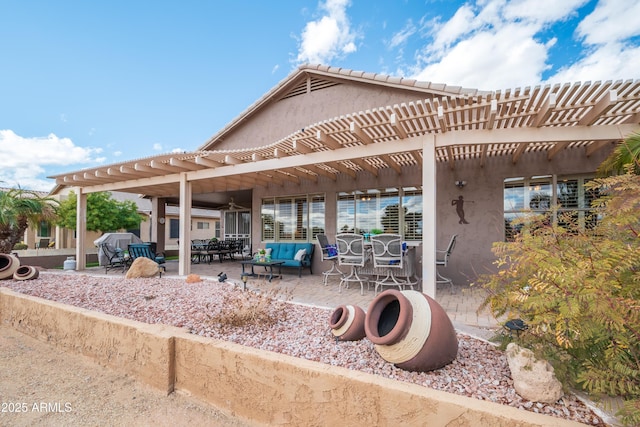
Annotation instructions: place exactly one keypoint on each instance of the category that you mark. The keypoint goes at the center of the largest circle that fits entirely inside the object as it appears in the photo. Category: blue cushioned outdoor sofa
(287, 252)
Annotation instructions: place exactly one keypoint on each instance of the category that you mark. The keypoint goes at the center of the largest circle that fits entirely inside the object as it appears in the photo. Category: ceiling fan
(231, 206)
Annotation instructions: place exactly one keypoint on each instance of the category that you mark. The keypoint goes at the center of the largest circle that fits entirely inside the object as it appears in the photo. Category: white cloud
(488, 60)
(611, 21)
(157, 146)
(612, 61)
(402, 36)
(499, 44)
(608, 54)
(24, 159)
(328, 37)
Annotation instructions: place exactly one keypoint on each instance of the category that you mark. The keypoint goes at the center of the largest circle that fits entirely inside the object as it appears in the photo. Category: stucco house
(330, 149)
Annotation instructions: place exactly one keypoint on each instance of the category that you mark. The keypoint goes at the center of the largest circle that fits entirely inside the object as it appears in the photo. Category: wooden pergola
(583, 116)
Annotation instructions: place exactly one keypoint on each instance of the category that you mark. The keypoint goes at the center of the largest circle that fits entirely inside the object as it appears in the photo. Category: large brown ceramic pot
(347, 323)
(8, 265)
(411, 330)
(26, 272)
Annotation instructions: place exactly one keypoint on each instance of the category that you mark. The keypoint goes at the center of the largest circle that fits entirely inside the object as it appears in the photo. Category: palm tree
(20, 209)
(625, 157)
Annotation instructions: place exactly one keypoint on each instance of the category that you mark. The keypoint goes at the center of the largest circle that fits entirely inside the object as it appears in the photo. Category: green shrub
(579, 293)
(20, 246)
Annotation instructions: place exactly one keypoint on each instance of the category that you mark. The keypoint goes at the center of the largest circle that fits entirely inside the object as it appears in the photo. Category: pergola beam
(603, 105)
(545, 111)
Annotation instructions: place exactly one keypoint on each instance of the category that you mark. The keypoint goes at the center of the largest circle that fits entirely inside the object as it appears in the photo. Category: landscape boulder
(142, 267)
(533, 379)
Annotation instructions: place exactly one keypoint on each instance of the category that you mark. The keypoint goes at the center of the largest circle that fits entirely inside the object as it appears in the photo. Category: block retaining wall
(259, 387)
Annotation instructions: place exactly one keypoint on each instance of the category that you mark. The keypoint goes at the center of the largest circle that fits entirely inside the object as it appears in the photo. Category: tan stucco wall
(483, 197)
(261, 387)
(282, 118)
(141, 350)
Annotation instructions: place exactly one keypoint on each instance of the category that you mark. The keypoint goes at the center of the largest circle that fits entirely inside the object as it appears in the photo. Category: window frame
(292, 218)
(350, 205)
(554, 209)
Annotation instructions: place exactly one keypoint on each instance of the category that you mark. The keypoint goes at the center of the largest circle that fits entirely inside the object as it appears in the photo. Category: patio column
(81, 229)
(429, 208)
(184, 247)
(158, 222)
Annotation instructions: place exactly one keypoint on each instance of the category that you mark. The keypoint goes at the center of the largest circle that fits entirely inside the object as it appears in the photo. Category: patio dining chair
(198, 250)
(442, 260)
(352, 253)
(387, 255)
(116, 258)
(329, 253)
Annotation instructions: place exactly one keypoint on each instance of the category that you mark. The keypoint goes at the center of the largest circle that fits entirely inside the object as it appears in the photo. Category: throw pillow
(300, 254)
(332, 251)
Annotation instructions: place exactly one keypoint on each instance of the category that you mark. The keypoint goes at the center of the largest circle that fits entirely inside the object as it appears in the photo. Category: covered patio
(451, 135)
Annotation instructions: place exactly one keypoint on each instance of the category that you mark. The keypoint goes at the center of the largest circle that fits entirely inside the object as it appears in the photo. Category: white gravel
(480, 370)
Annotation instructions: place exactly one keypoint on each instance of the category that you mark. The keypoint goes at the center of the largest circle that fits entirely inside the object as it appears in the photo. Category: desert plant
(261, 307)
(20, 209)
(579, 292)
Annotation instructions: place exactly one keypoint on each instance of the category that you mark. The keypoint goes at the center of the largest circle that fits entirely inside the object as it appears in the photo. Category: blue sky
(90, 83)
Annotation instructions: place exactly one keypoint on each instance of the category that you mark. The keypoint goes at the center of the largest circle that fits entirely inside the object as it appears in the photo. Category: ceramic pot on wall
(347, 323)
(8, 265)
(26, 272)
(411, 330)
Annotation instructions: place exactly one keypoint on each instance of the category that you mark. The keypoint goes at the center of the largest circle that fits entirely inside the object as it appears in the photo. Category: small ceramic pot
(411, 330)
(26, 272)
(347, 323)
(8, 265)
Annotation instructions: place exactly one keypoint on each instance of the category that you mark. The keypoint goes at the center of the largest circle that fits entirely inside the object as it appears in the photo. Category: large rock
(533, 379)
(142, 267)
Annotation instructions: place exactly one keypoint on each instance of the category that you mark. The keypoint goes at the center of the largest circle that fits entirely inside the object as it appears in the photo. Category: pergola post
(158, 227)
(184, 248)
(81, 229)
(429, 216)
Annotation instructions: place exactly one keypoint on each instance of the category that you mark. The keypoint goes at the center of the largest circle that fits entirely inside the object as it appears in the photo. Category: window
(316, 215)
(217, 228)
(298, 218)
(44, 230)
(412, 210)
(268, 214)
(202, 225)
(547, 194)
(387, 210)
(174, 228)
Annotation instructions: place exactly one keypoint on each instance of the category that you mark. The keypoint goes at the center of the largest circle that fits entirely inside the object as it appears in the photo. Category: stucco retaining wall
(261, 387)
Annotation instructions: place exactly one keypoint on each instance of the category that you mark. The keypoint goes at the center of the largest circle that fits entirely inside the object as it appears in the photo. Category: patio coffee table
(265, 264)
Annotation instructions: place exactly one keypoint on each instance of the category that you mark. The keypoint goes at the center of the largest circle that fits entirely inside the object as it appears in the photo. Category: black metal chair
(116, 258)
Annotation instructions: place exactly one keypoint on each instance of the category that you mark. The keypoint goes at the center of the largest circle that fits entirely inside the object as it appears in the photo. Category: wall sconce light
(461, 184)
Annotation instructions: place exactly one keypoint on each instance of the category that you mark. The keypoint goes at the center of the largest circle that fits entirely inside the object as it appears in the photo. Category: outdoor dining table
(268, 265)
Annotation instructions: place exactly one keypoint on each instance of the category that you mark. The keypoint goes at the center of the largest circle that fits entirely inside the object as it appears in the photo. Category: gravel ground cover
(212, 309)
